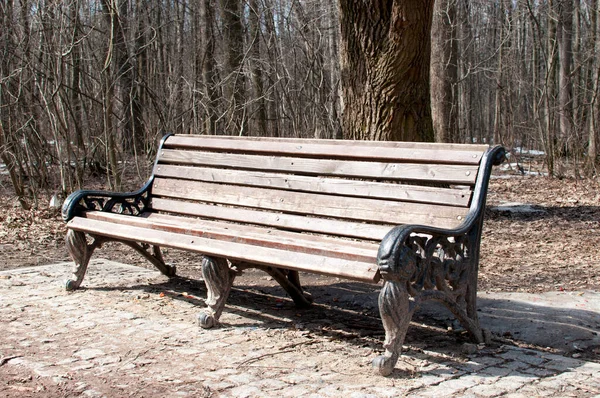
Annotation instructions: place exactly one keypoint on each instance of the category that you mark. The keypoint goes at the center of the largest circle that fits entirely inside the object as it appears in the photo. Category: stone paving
(127, 334)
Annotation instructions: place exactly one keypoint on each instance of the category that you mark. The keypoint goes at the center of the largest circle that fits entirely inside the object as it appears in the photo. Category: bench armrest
(399, 249)
(133, 203)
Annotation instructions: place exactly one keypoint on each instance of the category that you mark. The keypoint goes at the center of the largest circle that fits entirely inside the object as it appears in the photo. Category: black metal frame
(130, 203)
(419, 263)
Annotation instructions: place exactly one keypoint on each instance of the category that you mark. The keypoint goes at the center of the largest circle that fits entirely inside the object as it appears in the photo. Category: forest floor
(548, 244)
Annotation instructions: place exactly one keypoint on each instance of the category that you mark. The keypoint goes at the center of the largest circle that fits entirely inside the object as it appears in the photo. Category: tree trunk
(444, 70)
(385, 56)
(565, 46)
(257, 78)
(233, 32)
(594, 117)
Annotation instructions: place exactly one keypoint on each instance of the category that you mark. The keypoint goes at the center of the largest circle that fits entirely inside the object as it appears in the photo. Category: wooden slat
(336, 186)
(278, 220)
(420, 153)
(267, 237)
(235, 251)
(374, 210)
(334, 142)
(455, 174)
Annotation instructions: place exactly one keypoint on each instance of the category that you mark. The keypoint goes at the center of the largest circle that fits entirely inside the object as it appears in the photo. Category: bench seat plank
(279, 220)
(451, 173)
(304, 203)
(268, 237)
(336, 186)
(362, 271)
(417, 152)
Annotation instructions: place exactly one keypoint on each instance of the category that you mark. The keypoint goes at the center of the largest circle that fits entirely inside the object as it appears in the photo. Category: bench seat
(240, 243)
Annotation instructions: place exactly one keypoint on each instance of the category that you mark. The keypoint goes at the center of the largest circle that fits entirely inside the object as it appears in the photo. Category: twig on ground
(4, 360)
(282, 350)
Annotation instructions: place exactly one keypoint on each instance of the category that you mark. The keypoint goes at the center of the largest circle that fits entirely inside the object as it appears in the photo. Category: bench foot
(219, 279)
(396, 311)
(80, 252)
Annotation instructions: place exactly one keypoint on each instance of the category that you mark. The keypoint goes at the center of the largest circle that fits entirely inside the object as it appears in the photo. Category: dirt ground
(550, 248)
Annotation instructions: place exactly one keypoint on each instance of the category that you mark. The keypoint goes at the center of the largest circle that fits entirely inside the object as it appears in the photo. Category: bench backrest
(356, 189)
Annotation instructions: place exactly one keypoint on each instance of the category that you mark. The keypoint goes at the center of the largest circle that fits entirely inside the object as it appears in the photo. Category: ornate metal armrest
(398, 251)
(132, 203)
(403, 247)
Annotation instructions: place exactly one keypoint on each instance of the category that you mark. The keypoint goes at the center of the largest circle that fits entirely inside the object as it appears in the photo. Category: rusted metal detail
(81, 252)
(218, 277)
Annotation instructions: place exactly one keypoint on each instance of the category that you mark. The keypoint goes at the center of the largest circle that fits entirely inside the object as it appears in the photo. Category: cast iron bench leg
(396, 311)
(219, 279)
(80, 252)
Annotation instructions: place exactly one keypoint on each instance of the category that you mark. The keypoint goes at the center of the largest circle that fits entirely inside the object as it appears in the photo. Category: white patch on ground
(520, 208)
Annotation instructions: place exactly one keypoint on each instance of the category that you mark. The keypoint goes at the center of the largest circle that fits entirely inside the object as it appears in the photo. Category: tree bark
(385, 56)
(233, 32)
(444, 70)
(257, 77)
(565, 48)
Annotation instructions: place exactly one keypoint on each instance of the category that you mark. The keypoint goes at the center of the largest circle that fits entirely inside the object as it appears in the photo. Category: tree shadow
(347, 311)
(570, 213)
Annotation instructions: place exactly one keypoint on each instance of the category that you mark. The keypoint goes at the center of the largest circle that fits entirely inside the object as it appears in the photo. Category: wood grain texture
(357, 209)
(362, 271)
(252, 235)
(334, 142)
(335, 186)
(279, 220)
(337, 149)
(452, 174)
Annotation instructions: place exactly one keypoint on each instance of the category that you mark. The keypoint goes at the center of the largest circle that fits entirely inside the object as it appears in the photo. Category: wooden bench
(409, 214)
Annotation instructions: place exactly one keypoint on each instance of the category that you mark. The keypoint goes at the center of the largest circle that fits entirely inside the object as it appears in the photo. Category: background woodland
(88, 87)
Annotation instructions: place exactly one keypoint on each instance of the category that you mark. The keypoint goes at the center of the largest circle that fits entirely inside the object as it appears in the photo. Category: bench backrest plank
(326, 185)
(342, 188)
(352, 208)
(285, 221)
(338, 149)
(444, 173)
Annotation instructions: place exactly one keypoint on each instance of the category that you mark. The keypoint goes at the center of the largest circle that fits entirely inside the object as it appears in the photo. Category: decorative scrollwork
(441, 263)
(419, 266)
(133, 203)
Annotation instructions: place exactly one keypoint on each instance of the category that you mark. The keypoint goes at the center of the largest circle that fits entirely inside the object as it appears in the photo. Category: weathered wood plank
(413, 152)
(359, 209)
(360, 143)
(278, 220)
(336, 186)
(319, 264)
(454, 174)
(261, 236)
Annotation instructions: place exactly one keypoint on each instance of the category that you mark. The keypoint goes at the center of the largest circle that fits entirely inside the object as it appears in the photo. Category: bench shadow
(347, 311)
(571, 213)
